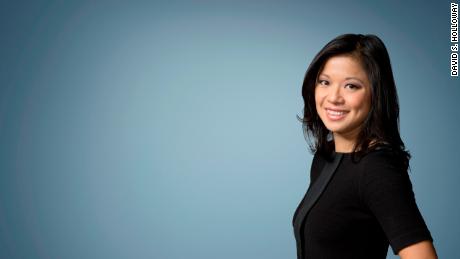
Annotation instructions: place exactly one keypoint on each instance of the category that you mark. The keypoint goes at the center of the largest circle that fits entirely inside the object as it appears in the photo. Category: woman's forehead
(343, 66)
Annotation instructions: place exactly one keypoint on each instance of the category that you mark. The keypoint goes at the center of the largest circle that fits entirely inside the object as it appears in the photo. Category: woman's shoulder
(380, 152)
(383, 161)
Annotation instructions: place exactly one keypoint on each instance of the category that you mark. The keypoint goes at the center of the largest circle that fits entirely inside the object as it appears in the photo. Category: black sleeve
(387, 191)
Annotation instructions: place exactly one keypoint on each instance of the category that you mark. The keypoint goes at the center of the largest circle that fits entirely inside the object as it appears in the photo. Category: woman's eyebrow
(351, 77)
(355, 78)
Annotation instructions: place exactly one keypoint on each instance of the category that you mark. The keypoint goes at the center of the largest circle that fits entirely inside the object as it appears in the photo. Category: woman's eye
(323, 82)
(352, 86)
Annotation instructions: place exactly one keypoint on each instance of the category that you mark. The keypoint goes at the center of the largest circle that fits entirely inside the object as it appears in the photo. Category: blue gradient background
(168, 129)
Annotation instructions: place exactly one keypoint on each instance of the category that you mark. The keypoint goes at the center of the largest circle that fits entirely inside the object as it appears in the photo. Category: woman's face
(343, 96)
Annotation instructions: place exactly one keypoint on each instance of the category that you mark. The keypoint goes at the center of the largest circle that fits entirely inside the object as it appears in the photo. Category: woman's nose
(335, 95)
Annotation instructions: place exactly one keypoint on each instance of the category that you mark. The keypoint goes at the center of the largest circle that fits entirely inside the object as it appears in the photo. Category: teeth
(335, 112)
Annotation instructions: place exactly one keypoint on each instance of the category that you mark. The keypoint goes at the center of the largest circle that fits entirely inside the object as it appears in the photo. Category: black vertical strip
(312, 196)
(312, 168)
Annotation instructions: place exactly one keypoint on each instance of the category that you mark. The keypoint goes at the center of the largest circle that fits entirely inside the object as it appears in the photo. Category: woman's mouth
(335, 115)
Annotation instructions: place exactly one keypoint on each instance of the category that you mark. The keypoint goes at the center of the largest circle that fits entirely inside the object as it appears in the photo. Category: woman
(351, 116)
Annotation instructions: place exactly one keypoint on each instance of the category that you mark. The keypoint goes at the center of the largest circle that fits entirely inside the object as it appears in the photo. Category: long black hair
(382, 123)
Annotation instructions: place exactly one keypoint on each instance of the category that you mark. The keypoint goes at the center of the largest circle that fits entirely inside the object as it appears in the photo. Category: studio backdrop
(168, 129)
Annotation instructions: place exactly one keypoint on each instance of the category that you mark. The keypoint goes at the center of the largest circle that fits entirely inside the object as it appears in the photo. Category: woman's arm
(387, 191)
(420, 250)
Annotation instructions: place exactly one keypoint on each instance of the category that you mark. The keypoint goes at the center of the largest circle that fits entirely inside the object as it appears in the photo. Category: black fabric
(366, 207)
(313, 193)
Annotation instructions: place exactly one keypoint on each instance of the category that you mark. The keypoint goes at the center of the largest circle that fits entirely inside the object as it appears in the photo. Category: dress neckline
(350, 153)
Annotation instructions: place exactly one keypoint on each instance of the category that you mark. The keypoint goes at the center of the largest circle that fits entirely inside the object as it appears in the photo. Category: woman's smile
(343, 96)
(335, 114)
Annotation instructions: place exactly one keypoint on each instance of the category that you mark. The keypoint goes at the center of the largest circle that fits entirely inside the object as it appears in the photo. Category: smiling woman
(360, 199)
(343, 99)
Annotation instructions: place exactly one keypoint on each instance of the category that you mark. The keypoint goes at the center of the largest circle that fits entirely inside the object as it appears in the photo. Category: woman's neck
(344, 144)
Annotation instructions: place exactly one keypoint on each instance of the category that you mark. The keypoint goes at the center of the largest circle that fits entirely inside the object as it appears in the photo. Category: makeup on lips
(335, 114)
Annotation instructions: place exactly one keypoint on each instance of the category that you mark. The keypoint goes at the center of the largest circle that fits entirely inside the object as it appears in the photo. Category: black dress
(366, 207)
